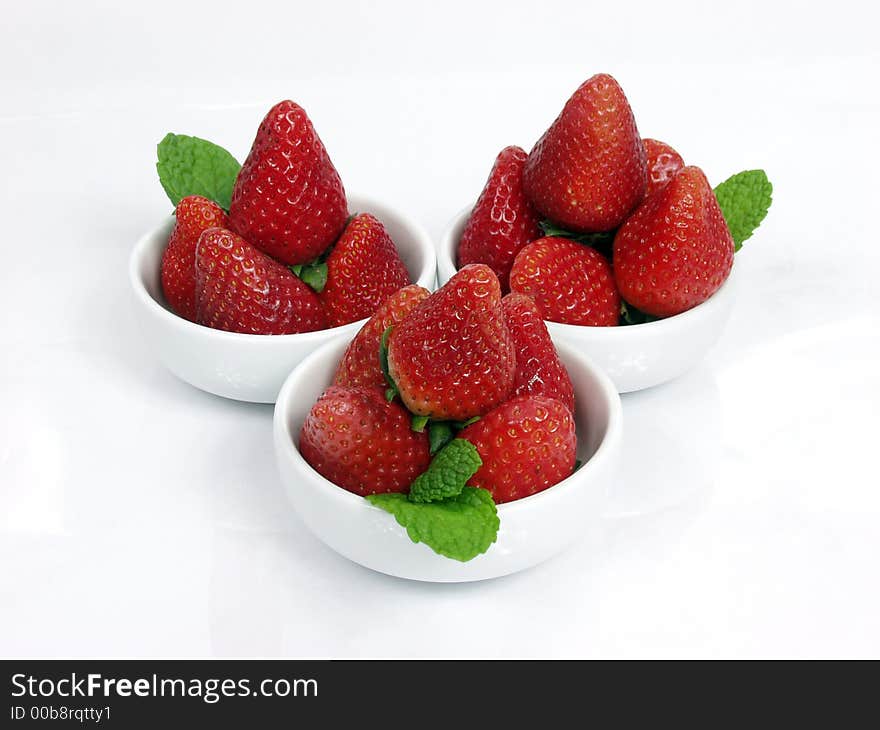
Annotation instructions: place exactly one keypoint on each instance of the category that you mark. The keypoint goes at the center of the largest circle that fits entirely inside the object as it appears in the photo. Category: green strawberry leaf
(601, 241)
(630, 315)
(314, 274)
(391, 391)
(193, 166)
(744, 200)
(448, 472)
(460, 527)
(418, 423)
(440, 433)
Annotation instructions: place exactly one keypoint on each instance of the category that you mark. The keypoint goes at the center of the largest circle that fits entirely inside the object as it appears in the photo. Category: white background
(141, 517)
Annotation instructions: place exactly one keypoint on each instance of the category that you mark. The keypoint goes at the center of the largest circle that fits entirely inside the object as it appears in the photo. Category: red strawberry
(571, 283)
(288, 200)
(588, 171)
(539, 370)
(502, 221)
(194, 214)
(676, 250)
(663, 163)
(240, 289)
(363, 269)
(527, 445)
(359, 441)
(452, 357)
(360, 364)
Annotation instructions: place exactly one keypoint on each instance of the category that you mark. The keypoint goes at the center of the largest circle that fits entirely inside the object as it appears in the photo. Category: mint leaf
(460, 527)
(448, 472)
(744, 200)
(391, 390)
(193, 166)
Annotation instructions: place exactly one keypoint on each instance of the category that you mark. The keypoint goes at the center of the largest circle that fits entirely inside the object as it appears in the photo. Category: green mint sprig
(454, 520)
(744, 200)
(193, 166)
(460, 528)
(448, 472)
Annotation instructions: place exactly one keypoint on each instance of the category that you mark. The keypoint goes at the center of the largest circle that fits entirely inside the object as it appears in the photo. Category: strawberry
(503, 220)
(663, 163)
(452, 357)
(360, 364)
(527, 445)
(240, 289)
(359, 441)
(194, 214)
(539, 370)
(676, 250)
(288, 200)
(588, 171)
(362, 270)
(571, 283)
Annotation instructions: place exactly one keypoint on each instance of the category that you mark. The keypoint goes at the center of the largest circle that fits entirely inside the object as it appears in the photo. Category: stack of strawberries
(595, 217)
(427, 369)
(287, 257)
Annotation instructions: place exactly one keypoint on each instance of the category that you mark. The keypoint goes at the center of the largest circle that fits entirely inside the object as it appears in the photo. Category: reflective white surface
(142, 517)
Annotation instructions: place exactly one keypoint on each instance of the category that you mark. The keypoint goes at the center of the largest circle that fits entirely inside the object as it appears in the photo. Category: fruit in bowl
(264, 262)
(443, 406)
(603, 228)
(270, 248)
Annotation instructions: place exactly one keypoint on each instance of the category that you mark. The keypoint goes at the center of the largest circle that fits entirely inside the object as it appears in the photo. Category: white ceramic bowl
(532, 529)
(250, 367)
(636, 356)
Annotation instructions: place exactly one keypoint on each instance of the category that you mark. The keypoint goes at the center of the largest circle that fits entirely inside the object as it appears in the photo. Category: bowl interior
(413, 244)
(597, 411)
(719, 301)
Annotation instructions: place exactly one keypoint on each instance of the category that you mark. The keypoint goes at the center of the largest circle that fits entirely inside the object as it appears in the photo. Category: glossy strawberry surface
(363, 269)
(675, 251)
(360, 364)
(502, 221)
(570, 283)
(288, 199)
(240, 289)
(359, 441)
(539, 371)
(589, 171)
(527, 445)
(193, 215)
(452, 357)
(663, 163)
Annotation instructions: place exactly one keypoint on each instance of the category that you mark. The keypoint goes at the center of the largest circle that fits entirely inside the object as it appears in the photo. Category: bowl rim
(139, 253)
(604, 451)
(447, 245)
